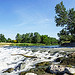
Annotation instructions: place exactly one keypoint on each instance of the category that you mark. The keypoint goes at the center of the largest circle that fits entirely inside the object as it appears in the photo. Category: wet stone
(9, 70)
(70, 60)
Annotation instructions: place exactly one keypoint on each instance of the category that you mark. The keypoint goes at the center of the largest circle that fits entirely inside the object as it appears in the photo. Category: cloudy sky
(24, 16)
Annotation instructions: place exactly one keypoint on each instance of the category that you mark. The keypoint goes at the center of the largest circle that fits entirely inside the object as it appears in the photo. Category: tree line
(9, 40)
(30, 38)
(36, 38)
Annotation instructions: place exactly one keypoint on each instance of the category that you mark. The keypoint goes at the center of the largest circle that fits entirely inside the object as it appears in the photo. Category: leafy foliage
(65, 18)
(18, 38)
(2, 38)
(28, 38)
(36, 38)
(9, 40)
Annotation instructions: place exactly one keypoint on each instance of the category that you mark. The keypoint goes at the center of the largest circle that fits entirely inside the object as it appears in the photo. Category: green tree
(54, 41)
(65, 18)
(9, 40)
(18, 38)
(64, 36)
(2, 38)
(31, 38)
(23, 38)
(36, 38)
(44, 39)
(26, 38)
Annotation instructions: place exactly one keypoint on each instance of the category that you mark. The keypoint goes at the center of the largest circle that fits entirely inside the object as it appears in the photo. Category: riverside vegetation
(29, 39)
(66, 19)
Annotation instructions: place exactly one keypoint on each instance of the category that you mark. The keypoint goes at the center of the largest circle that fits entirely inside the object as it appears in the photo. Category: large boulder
(60, 70)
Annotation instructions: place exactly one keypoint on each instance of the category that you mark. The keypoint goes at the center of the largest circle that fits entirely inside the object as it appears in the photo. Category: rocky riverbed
(37, 61)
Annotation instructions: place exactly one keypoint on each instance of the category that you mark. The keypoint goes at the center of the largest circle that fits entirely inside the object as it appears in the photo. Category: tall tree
(2, 38)
(44, 39)
(9, 40)
(31, 38)
(23, 38)
(18, 38)
(37, 38)
(65, 18)
(27, 37)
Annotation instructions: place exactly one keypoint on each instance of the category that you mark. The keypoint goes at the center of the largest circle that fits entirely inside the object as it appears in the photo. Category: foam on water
(21, 63)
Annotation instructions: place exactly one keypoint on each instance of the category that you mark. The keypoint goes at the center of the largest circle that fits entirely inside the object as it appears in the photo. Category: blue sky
(24, 16)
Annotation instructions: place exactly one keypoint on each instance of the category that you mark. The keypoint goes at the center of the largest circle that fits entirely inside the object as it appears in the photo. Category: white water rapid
(20, 63)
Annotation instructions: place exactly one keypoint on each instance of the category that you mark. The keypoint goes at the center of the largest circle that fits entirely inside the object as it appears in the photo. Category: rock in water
(60, 70)
(70, 60)
(30, 74)
(9, 70)
(59, 59)
(25, 55)
(72, 55)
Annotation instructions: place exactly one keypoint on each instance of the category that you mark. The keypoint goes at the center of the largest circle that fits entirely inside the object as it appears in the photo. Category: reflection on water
(53, 46)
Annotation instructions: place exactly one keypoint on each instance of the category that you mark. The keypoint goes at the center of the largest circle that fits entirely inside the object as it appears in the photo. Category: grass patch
(5, 43)
(22, 44)
(27, 44)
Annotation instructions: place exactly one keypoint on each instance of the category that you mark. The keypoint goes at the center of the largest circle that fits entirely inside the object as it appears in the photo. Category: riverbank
(21, 44)
(5, 44)
(68, 44)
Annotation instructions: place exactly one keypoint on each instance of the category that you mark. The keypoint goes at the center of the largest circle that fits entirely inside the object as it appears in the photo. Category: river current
(11, 57)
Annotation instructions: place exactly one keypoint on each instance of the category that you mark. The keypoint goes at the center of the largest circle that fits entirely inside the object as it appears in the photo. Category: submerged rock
(20, 66)
(49, 57)
(39, 68)
(70, 60)
(43, 64)
(9, 70)
(72, 55)
(58, 59)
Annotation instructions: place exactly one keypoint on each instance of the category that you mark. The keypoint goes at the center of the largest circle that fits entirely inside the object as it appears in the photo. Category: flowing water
(10, 57)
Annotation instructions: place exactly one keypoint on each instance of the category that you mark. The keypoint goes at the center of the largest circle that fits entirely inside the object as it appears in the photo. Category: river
(11, 57)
